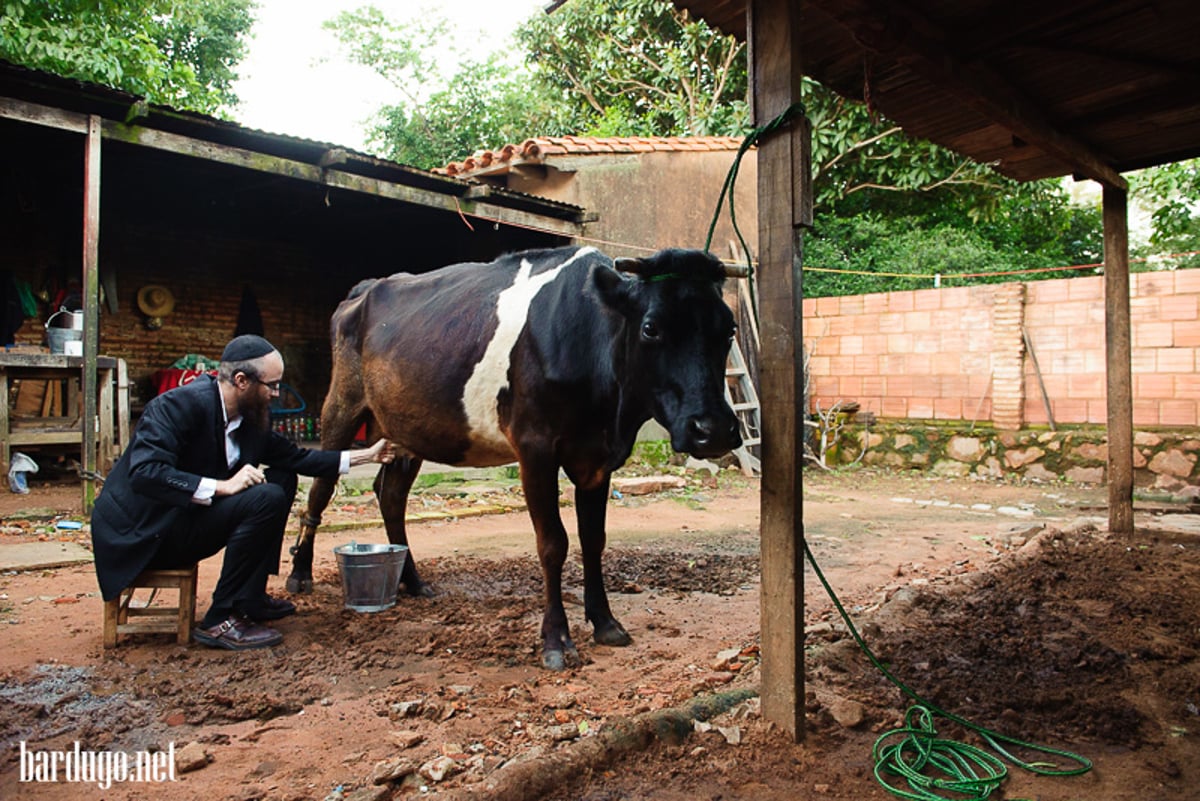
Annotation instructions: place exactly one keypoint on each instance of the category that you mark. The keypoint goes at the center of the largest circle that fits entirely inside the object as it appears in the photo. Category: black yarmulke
(245, 348)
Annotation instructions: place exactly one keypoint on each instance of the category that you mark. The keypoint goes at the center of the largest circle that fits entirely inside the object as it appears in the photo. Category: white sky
(294, 80)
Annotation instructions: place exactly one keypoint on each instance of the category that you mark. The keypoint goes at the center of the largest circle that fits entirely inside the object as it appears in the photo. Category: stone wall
(1163, 460)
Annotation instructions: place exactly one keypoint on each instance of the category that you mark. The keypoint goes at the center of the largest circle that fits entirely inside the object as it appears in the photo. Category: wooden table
(17, 431)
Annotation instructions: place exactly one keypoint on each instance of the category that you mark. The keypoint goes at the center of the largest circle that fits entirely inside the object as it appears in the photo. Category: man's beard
(255, 412)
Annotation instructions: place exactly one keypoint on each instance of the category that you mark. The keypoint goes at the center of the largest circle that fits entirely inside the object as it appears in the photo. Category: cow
(550, 358)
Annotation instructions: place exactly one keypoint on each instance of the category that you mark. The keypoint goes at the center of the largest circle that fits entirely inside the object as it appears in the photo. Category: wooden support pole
(91, 306)
(784, 206)
(1118, 356)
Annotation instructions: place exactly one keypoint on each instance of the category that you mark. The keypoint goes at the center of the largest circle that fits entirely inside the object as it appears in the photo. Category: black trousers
(249, 526)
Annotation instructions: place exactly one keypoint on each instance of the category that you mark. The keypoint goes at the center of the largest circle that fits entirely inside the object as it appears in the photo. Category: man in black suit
(190, 484)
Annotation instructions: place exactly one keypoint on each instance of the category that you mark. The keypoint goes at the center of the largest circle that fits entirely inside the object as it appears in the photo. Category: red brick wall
(959, 354)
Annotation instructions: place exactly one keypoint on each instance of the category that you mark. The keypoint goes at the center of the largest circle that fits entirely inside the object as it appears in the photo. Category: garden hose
(914, 751)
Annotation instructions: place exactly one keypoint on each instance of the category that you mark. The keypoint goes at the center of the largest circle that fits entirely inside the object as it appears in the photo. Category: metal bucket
(57, 338)
(63, 326)
(370, 574)
(65, 318)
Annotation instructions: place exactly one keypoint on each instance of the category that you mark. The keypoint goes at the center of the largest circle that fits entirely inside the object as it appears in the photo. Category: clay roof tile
(537, 148)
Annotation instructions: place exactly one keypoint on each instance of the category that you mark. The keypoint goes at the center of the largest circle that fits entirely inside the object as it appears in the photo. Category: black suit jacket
(179, 439)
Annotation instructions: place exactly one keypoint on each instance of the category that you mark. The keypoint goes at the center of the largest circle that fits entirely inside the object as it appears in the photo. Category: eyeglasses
(273, 386)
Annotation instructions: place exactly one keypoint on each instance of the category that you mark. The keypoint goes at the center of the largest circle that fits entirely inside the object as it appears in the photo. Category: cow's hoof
(420, 590)
(561, 660)
(299, 586)
(612, 634)
(553, 660)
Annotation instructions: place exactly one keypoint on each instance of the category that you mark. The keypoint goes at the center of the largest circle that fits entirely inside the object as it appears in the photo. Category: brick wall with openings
(960, 353)
(207, 280)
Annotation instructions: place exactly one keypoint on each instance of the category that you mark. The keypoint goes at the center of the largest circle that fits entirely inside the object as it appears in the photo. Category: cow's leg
(539, 479)
(341, 417)
(300, 580)
(591, 507)
(392, 484)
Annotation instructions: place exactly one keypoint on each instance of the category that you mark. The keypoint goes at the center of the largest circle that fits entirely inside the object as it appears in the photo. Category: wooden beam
(784, 206)
(91, 306)
(1118, 355)
(901, 33)
(424, 197)
(46, 116)
(314, 173)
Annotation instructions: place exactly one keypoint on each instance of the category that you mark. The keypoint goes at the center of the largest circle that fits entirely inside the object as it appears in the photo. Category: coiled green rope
(963, 768)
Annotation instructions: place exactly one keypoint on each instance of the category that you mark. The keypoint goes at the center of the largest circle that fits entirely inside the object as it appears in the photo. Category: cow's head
(676, 342)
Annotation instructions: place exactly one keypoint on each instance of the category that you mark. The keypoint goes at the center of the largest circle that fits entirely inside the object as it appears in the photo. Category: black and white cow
(551, 358)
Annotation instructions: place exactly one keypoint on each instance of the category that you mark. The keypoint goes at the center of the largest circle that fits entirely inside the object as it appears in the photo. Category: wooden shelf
(60, 422)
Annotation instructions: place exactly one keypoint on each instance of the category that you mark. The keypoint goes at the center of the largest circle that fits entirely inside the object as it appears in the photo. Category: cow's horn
(629, 265)
(736, 270)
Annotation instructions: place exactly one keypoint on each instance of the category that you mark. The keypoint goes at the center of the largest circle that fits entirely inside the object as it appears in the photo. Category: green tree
(180, 53)
(632, 68)
(1173, 191)
(863, 162)
(874, 252)
(638, 68)
(440, 116)
(487, 105)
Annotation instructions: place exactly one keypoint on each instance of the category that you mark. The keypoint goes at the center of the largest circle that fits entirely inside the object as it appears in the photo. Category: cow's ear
(613, 288)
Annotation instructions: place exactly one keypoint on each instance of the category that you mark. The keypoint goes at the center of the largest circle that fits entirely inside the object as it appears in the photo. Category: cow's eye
(650, 331)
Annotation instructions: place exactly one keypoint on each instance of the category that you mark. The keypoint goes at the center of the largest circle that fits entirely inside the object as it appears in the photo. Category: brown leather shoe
(237, 634)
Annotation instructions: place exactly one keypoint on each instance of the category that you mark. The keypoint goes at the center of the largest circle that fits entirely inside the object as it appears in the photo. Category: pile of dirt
(1079, 636)
(1079, 641)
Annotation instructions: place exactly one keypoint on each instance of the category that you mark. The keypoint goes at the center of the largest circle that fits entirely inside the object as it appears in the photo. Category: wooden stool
(177, 620)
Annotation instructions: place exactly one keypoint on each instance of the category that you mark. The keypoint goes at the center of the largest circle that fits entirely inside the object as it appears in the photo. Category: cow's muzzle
(710, 436)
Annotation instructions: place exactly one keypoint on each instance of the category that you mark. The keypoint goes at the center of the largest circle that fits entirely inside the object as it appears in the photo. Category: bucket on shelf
(64, 326)
(370, 574)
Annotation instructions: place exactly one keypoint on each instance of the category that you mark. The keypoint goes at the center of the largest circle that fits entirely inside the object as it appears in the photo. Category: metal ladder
(745, 405)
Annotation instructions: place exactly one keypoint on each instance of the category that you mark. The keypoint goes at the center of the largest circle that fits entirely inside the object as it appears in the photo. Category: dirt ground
(1008, 605)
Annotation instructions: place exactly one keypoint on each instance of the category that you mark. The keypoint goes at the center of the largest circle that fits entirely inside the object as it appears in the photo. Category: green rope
(751, 139)
(970, 770)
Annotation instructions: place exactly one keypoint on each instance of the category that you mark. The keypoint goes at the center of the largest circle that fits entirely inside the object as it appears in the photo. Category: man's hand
(382, 452)
(243, 479)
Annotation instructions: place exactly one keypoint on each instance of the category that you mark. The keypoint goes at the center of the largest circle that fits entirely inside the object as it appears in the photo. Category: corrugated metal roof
(72, 95)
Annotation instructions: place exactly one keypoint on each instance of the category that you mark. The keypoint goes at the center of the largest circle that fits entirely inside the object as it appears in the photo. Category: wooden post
(784, 206)
(1119, 351)
(91, 304)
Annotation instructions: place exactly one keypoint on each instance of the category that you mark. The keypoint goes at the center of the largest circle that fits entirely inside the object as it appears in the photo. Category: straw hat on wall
(156, 302)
